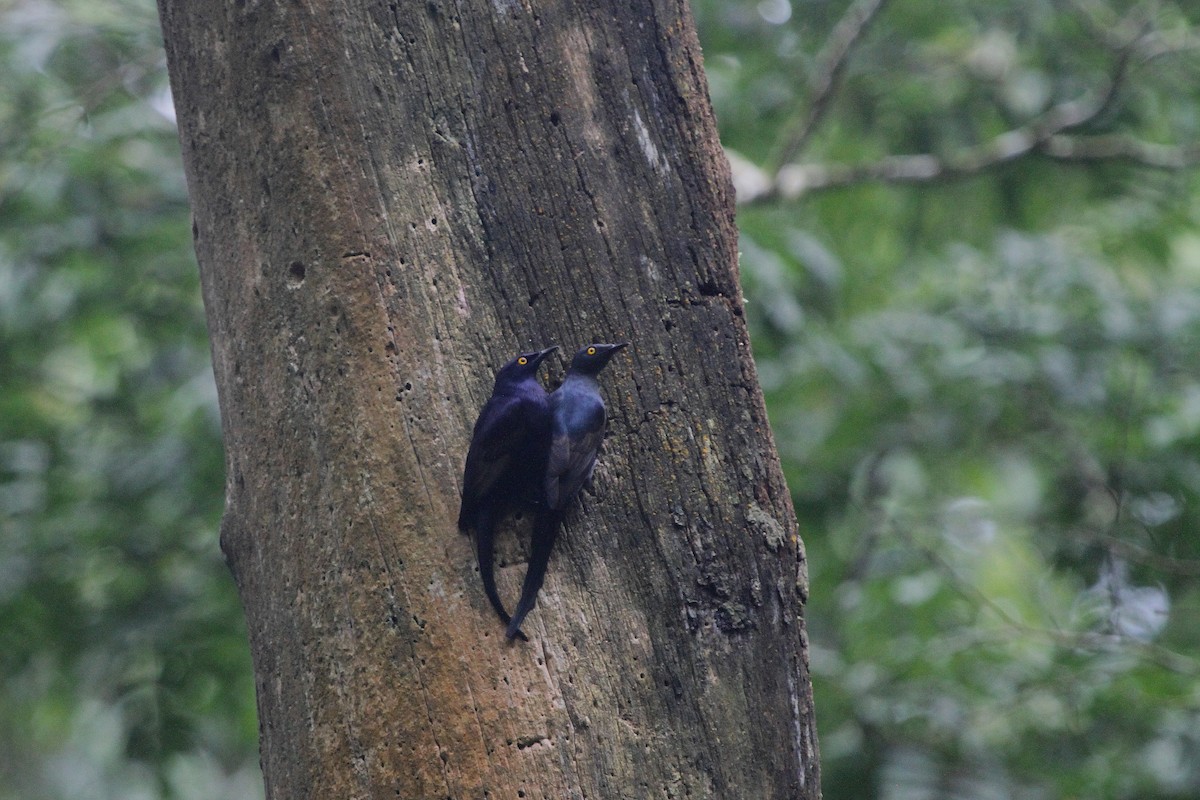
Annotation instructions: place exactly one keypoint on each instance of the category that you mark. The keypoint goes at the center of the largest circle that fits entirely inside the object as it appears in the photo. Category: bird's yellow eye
(522, 361)
(591, 351)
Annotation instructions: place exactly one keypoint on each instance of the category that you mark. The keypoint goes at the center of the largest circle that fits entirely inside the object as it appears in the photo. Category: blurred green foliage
(985, 392)
(124, 663)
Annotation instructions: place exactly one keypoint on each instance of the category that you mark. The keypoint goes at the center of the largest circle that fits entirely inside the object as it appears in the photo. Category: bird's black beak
(610, 350)
(542, 354)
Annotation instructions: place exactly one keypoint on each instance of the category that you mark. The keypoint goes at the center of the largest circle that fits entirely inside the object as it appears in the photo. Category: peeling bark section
(390, 199)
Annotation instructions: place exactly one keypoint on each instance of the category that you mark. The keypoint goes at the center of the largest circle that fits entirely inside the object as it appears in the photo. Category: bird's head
(524, 366)
(593, 358)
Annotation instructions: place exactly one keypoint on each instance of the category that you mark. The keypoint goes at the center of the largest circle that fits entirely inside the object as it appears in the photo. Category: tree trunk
(390, 200)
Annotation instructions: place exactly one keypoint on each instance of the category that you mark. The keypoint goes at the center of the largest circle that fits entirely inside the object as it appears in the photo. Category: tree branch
(797, 180)
(1117, 147)
(831, 66)
(1047, 135)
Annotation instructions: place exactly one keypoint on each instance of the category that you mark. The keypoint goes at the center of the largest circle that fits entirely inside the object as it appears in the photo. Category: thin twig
(1117, 32)
(831, 64)
(1160, 43)
(1132, 552)
(1106, 25)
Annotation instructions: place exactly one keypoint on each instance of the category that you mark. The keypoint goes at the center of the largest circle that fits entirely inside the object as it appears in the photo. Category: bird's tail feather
(485, 543)
(545, 531)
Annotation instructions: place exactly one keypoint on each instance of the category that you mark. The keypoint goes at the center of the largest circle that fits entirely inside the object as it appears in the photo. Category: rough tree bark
(390, 199)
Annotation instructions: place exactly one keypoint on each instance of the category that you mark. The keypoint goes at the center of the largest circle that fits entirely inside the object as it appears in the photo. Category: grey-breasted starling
(577, 419)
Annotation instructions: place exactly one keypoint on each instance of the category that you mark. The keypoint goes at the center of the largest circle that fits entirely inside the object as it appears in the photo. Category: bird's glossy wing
(572, 458)
(499, 432)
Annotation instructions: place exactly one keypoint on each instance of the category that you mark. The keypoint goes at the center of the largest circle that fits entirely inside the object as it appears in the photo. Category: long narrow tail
(545, 531)
(485, 543)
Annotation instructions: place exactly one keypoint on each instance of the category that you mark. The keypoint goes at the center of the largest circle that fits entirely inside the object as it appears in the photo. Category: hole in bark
(296, 273)
(555, 118)
(275, 54)
(709, 289)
